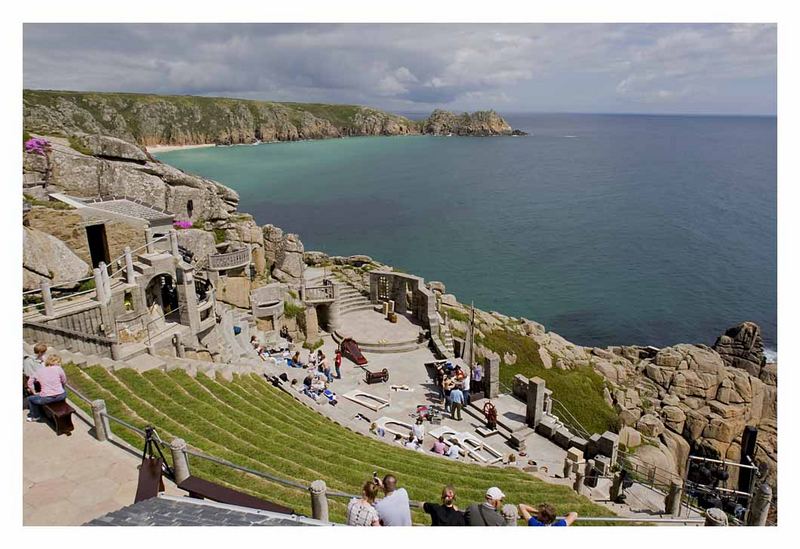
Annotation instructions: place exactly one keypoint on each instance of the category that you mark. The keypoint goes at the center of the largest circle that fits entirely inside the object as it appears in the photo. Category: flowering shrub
(37, 145)
(182, 224)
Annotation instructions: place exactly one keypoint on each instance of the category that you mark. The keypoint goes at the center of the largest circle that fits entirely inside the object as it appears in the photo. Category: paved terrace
(70, 480)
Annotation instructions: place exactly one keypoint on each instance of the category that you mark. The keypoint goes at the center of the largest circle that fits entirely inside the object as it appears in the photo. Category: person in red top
(337, 363)
(52, 380)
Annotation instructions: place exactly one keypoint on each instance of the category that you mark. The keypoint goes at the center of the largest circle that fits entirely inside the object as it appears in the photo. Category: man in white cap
(487, 513)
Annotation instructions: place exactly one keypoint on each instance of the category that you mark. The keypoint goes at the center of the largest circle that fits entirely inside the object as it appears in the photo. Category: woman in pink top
(52, 379)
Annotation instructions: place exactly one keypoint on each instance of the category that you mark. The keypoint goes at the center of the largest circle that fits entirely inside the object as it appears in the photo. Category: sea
(607, 229)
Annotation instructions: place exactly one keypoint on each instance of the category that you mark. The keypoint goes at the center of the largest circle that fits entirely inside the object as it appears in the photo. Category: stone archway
(161, 297)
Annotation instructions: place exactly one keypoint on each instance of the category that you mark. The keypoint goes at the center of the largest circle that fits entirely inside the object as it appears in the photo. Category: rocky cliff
(481, 123)
(187, 120)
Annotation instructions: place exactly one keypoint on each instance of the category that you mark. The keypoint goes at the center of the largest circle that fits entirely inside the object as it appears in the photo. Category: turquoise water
(607, 229)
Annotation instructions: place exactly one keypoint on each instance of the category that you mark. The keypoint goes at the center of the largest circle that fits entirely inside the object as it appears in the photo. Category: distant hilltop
(150, 120)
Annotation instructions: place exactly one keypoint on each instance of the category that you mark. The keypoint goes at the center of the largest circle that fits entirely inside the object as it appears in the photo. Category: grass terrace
(251, 423)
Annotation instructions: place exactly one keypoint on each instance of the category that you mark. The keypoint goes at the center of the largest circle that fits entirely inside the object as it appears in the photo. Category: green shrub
(456, 314)
(219, 236)
(292, 310)
(313, 346)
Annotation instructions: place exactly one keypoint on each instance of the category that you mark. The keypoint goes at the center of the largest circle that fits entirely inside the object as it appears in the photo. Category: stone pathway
(69, 480)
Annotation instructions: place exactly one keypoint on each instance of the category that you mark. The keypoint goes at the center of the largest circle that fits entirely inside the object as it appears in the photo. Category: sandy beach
(167, 148)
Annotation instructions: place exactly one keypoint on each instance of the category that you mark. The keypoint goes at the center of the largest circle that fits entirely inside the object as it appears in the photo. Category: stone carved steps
(149, 362)
(373, 347)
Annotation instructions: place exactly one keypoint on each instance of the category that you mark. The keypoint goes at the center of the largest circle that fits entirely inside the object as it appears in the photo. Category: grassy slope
(579, 389)
(250, 423)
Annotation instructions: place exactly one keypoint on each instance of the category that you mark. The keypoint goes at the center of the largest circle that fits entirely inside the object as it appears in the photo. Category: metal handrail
(77, 393)
(267, 476)
(575, 423)
(123, 423)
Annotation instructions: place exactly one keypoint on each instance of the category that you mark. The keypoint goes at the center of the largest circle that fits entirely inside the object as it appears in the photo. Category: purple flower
(37, 145)
(182, 224)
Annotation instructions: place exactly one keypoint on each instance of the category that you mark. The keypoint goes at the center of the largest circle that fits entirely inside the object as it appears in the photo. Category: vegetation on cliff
(186, 120)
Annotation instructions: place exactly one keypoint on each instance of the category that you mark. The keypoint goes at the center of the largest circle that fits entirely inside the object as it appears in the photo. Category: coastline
(166, 148)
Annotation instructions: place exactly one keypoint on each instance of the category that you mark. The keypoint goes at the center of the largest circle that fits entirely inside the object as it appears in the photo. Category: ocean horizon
(610, 229)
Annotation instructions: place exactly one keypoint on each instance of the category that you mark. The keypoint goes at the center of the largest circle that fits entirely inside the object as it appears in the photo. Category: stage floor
(372, 327)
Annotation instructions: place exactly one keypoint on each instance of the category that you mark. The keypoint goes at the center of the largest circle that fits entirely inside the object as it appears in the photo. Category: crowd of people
(394, 509)
(456, 385)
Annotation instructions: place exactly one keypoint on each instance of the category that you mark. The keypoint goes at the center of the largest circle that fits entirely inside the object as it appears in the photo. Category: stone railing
(230, 260)
(69, 339)
(318, 294)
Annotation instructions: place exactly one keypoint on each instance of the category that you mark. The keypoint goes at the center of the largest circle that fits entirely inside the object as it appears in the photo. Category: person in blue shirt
(544, 515)
(456, 403)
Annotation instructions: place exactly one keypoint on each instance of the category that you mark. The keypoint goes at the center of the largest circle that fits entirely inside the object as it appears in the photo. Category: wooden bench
(203, 489)
(61, 414)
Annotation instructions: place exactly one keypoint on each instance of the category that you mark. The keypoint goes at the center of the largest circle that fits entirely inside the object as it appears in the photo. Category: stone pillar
(578, 484)
(180, 349)
(607, 445)
(568, 463)
(148, 239)
(491, 377)
(47, 298)
(106, 281)
(311, 324)
(319, 500)
(99, 285)
(334, 314)
(759, 506)
(173, 243)
(180, 465)
(548, 402)
(672, 503)
(130, 273)
(187, 297)
(509, 513)
(535, 409)
(102, 429)
(616, 486)
(716, 517)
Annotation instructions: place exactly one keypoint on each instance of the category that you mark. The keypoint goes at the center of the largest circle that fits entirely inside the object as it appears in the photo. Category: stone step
(149, 259)
(353, 308)
(142, 363)
(353, 299)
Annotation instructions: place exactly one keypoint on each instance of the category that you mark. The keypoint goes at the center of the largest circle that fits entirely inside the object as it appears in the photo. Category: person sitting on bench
(32, 364)
(51, 379)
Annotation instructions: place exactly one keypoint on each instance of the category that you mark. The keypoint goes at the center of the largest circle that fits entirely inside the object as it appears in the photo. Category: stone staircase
(351, 299)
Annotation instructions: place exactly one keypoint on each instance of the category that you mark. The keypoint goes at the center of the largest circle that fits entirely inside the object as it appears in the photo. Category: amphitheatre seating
(61, 414)
(204, 489)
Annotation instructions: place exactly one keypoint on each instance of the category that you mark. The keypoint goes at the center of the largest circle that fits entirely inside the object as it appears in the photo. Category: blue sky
(634, 68)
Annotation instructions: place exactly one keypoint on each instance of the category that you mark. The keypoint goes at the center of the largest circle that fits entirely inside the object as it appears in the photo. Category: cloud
(415, 67)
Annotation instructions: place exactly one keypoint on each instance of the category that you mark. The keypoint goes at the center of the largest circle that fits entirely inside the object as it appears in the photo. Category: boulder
(45, 257)
(678, 448)
(659, 457)
(509, 358)
(315, 258)
(769, 373)
(532, 328)
(629, 416)
(234, 291)
(111, 147)
(649, 425)
(630, 437)
(544, 356)
(436, 286)
(694, 425)
(674, 418)
(197, 241)
(742, 347)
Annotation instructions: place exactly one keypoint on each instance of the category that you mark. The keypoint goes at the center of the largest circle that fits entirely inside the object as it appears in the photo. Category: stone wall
(69, 226)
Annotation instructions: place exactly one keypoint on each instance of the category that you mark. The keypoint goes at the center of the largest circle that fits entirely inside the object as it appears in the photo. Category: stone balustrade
(229, 260)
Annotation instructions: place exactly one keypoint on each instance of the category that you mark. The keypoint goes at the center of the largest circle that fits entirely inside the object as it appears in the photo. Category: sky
(620, 68)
